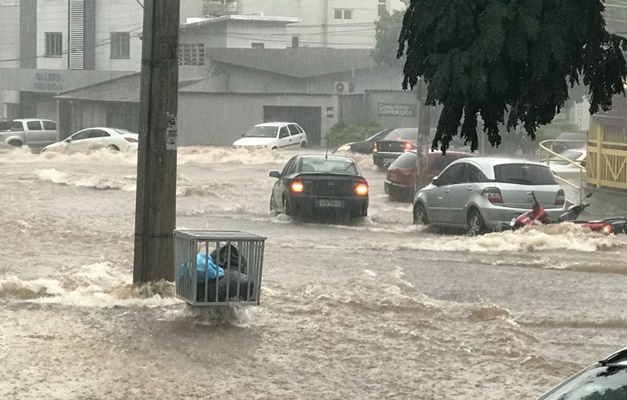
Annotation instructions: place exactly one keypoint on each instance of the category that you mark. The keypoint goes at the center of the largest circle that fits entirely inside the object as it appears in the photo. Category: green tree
(509, 61)
(387, 31)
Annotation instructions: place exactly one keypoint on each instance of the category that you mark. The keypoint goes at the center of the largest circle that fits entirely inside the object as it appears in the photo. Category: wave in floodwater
(551, 237)
(100, 285)
(101, 181)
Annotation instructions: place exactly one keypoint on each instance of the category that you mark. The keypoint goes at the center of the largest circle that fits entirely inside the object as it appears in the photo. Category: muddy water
(381, 309)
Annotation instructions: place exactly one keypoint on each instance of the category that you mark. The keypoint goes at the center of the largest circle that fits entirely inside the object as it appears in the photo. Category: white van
(273, 135)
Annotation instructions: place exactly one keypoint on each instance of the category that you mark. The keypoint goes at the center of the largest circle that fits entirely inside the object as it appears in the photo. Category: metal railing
(546, 146)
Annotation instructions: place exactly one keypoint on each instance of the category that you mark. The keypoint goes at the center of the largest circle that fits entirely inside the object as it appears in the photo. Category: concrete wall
(9, 34)
(212, 36)
(364, 109)
(220, 119)
(241, 34)
(318, 28)
(52, 16)
(118, 16)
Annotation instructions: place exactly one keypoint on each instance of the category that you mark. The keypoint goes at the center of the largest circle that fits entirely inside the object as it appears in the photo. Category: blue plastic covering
(204, 262)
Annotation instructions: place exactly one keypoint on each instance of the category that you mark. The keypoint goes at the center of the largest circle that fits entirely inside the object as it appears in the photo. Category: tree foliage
(510, 62)
(387, 30)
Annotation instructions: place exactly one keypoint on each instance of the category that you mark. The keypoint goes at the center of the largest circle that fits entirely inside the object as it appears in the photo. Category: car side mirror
(275, 174)
(68, 140)
(434, 181)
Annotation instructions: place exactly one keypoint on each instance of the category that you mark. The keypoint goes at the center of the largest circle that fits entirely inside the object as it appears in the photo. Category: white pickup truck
(32, 132)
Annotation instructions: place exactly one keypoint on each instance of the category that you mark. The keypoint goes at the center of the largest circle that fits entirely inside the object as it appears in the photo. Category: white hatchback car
(91, 139)
(273, 135)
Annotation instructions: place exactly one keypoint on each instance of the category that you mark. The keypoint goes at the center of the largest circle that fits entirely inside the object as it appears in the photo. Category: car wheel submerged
(420, 215)
(476, 226)
(303, 145)
(113, 148)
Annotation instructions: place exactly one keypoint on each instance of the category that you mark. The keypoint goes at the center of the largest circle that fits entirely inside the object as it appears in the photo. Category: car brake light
(361, 189)
(297, 186)
(409, 146)
(560, 199)
(493, 194)
(374, 147)
(607, 229)
(130, 140)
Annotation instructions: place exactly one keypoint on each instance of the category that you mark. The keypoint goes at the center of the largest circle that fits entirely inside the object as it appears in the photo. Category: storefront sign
(48, 82)
(398, 110)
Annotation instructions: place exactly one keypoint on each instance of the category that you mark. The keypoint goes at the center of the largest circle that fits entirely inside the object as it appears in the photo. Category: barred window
(54, 44)
(120, 45)
(191, 54)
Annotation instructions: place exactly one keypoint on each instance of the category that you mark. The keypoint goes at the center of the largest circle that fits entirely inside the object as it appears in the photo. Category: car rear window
(402, 134)
(332, 165)
(524, 174)
(405, 160)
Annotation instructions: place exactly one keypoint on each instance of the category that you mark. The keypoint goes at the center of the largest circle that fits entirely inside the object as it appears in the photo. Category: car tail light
(493, 194)
(361, 188)
(409, 146)
(607, 229)
(560, 199)
(374, 147)
(297, 186)
(130, 140)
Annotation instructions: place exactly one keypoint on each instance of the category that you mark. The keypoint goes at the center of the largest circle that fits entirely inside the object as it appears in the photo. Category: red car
(400, 178)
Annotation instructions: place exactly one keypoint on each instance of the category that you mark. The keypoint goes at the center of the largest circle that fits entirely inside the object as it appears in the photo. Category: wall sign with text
(398, 110)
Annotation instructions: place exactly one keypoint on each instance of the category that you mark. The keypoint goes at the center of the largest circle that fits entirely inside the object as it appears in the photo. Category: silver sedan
(479, 194)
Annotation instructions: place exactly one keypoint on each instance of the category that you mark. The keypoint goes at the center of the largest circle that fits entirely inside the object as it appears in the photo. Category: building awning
(300, 62)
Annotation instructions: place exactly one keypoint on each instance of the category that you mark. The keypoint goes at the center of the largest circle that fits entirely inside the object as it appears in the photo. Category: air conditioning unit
(342, 87)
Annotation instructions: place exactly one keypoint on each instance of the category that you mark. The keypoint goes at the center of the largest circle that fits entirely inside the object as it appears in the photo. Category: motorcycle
(538, 216)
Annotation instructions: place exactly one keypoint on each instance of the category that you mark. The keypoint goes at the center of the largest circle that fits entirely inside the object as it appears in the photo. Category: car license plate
(330, 203)
(388, 161)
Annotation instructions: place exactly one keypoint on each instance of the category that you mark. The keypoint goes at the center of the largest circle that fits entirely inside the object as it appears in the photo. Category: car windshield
(402, 134)
(330, 165)
(262, 132)
(525, 174)
(602, 383)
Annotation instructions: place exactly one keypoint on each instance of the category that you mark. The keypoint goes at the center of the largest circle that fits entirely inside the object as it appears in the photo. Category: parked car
(479, 194)
(32, 132)
(603, 380)
(392, 145)
(400, 178)
(569, 140)
(273, 135)
(364, 146)
(561, 166)
(91, 139)
(315, 185)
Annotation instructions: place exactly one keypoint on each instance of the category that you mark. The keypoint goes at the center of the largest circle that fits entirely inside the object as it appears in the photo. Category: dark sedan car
(400, 178)
(604, 380)
(364, 146)
(319, 186)
(392, 145)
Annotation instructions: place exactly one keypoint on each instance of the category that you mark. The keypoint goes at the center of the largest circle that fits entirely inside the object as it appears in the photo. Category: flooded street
(378, 310)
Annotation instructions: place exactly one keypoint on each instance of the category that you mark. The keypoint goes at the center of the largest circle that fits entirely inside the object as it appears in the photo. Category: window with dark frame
(120, 45)
(257, 45)
(192, 54)
(343, 13)
(54, 44)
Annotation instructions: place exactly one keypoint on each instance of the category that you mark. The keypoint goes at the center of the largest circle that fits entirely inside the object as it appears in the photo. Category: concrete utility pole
(155, 212)
(424, 131)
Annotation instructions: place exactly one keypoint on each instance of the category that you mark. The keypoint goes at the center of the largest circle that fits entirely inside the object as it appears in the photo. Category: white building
(48, 46)
(326, 23)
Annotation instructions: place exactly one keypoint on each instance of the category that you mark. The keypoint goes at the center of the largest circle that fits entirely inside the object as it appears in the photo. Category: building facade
(340, 24)
(49, 46)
